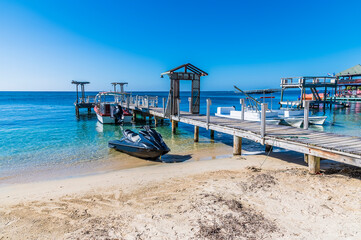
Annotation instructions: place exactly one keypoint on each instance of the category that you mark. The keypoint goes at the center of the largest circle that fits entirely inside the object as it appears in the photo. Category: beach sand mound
(224, 204)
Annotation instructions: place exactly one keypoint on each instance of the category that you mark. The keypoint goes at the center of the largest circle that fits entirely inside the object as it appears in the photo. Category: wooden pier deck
(315, 145)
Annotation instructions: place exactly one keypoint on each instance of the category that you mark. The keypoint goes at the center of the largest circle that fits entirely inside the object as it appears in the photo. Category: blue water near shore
(40, 129)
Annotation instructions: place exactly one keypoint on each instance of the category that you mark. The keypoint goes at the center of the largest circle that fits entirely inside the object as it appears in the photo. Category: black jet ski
(147, 144)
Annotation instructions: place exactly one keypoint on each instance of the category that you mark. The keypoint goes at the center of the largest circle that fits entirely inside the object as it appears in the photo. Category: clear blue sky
(45, 44)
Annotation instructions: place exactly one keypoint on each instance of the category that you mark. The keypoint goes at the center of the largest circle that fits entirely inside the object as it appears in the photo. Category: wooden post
(77, 110)
(178, 108)
(163, 99)
(306, 106)
(212, 134)
(134, 116)
(237, 145)
(190, 104)
(243, 108)
(196, 133)
(174, 126)
(305, 157)
(313, 164)
(263, 119)
(209, 102)
(155, 121)
(268, 148)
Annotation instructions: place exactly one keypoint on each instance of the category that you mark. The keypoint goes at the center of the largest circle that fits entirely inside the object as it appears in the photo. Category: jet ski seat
(132, 136)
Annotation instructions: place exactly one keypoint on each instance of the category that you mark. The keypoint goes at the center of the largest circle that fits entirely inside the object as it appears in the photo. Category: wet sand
(220, 198)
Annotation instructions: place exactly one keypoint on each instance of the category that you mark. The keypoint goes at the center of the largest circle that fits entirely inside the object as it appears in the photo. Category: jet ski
(148, 144)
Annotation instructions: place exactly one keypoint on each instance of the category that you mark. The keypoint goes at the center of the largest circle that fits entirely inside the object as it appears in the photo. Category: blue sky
(46, 44)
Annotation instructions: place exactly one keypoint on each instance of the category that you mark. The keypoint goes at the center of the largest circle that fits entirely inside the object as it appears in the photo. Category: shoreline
(212, 199)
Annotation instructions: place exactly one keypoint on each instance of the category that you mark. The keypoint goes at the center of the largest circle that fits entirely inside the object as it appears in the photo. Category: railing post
(242, 112)
(306, 108)
(128, 101)
(190, 104)
(163, 99)
(263, 119)
(178, 108)
(136, 101)
(209, 102)
(147, 101)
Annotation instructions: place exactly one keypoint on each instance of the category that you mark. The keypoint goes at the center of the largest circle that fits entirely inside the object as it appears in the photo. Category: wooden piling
(155, 121)
(313, 164)
(306, 106)
(77, 110)
(196, 133)
(305, 157)
(269, 148)
(237, 145)
(263, 119)
(174, 126)
(212, 134)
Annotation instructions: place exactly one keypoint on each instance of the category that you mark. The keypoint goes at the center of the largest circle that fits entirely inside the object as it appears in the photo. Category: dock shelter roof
(187, 68)
(354, 71)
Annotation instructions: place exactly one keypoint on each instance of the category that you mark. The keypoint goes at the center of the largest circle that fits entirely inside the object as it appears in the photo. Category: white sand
(211, 199)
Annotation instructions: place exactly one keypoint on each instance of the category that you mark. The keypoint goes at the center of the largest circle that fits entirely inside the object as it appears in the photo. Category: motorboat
(147, 144)
(249, 114)
(295, 117)
(109, 110)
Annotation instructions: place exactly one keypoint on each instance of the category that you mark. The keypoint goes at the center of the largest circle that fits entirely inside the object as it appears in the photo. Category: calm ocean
(39, 130)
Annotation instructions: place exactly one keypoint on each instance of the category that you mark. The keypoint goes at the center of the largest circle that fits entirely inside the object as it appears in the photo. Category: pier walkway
(315, 145)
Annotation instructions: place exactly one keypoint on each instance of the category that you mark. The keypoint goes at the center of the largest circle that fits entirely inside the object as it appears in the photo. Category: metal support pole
(306, 108)
(212, 134)
(209, 102)
(243, 108)
(263, 119)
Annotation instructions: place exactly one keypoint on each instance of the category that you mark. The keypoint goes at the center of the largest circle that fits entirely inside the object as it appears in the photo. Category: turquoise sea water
(39, 130)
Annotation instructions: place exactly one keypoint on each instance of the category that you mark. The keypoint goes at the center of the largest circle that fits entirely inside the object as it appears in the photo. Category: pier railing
(143, 101)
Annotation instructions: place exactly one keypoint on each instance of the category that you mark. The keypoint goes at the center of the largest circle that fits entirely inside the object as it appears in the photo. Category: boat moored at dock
(109, 110)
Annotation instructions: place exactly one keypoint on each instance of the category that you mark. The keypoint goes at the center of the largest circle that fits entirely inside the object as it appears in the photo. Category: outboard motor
(118, 114)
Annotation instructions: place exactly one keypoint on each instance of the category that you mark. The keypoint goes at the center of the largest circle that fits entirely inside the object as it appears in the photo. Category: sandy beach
(221, 198)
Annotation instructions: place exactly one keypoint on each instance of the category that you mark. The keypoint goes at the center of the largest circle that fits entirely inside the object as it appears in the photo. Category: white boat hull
(229, 112)
(105, 119)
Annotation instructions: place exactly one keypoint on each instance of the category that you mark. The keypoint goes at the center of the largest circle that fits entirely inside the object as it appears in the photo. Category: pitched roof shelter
(353, 71)
(184, 72)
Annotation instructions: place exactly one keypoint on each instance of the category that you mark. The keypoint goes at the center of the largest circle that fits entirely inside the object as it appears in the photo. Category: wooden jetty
(82, 102)
(314, 145)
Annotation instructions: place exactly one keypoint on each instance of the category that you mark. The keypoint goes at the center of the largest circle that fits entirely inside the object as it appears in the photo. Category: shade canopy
(354, 71)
